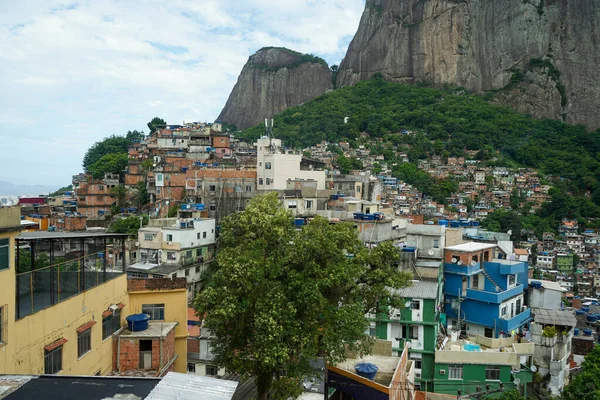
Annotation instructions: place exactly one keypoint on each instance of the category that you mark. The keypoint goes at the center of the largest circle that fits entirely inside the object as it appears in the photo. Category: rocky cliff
(272, 80)
(539, 56)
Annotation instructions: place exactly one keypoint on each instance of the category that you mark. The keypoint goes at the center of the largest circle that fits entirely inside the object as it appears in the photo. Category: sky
(74, 72)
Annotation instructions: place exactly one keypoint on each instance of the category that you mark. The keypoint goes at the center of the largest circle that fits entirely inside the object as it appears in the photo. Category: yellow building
(62, 319)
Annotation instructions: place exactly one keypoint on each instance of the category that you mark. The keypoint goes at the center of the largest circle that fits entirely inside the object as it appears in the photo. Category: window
(213, 207)
(187, 272)
(268, 181)
(436, 244)
(492, 374)
(191, 368)
(188, 254)
(475, 282)
(511, 280)
(309, 204)
(171, 256)
(3, 324)
(418, 375)
(503, 311)
(157, 190)
(159, 177)
(268, 165)
(414, 332)
(372, 329)
(489, 332)
(53, 361)
(203, 235)
(4, 254)
(100, 187)
(197, 269)
(212, 370)
(155, 311)
(111, 324)
(213, 188)
(455, 372)
(169, 237)
(84, 342)
(418, 363)
(260, 181)
(292, 204)
(248, 188)
(358, 189)
(415, 305)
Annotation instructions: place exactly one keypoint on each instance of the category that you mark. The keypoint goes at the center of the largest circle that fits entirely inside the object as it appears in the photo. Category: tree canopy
(280, 297)
(110, 145)
(156, 123)
(586, 384)
(129, 225)
(113, 162)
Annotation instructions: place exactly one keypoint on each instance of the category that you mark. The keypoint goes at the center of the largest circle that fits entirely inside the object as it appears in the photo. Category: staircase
(484, 272)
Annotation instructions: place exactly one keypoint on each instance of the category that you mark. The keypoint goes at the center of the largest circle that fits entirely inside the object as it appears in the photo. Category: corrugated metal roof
(186, 386)
(420, 290)
(554, 317)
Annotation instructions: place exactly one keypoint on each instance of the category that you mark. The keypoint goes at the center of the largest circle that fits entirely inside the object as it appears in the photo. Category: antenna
(454, 260)
(459, 262)
(430, 252)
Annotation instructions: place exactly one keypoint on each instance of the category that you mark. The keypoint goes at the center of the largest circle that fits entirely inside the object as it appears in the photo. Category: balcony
(508, 267)
(508, 325)
(461, 269)
(491, 297)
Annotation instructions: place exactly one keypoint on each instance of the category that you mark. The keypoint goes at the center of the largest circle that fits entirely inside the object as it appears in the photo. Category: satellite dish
(167, 202)
(517, 381)
(459, 262)
(473, 263)
(188, 206)
(509, 232)
(533, 368)
(137, 244)
(430, 252)
(407, 304)
(454, 260)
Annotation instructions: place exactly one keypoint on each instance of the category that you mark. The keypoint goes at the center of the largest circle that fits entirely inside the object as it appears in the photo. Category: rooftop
(554, 317)
(42, 235)
(471, 247)
(549, 285)
(178, 386)
(155, 329)
(420, 290)
(387, 366)
(55, 387)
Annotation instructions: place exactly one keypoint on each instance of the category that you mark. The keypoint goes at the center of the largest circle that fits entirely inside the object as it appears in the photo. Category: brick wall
(139, 285)
(129, 357)
(169, 347)
(193, 346)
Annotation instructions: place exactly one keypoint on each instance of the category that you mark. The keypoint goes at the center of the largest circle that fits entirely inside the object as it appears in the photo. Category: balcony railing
(508, 325)
(492, 297)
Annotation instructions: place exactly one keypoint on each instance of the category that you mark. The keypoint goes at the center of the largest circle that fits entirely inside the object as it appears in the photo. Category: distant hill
(9, 189)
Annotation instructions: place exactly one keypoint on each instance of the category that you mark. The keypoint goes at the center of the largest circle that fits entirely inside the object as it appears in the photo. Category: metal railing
(44, 287)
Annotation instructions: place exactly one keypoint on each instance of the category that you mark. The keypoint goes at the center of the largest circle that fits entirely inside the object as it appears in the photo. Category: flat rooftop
(43, 235)
(471, 247)
(155, 329)
(55, 387)
(387, 366)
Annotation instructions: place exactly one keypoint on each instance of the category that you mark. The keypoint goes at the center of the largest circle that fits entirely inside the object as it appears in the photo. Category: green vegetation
(61, 191)
(129, 225)
(449, 119)
(549, 332)
(156, 123)
(585, 384)
(302, 59)
(280, 297)
(114, 163)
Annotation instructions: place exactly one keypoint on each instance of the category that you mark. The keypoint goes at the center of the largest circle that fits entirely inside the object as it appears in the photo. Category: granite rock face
(272, 80)
(541, 57)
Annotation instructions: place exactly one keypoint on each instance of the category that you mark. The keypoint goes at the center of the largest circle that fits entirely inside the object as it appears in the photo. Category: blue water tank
(443, 222)
(592, 318)
(137, 322)
(455, 224)
(358, 215)
(464, 222)
(587, 332)
(299, 222)
(369, 217)
(579, 312)
(536, 284)
(576, 331)
(409, 249)
(475, 223)
(366, 370)
(334, 197)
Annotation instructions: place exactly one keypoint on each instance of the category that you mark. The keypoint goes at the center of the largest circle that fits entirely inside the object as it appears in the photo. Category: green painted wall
(473, 376)
(381, 330)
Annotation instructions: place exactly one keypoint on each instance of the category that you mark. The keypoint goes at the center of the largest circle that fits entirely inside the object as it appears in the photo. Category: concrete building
(464, 367)
(545, 294)
(552, 332)
(484, 294)
(275, 165)
(176, 247)
(61, 318)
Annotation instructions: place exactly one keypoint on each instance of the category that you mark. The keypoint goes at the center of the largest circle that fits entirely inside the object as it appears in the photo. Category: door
(146, 354)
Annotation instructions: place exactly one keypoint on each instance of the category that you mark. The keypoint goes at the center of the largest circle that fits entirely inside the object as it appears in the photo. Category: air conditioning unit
(114, 308)
(442, 372)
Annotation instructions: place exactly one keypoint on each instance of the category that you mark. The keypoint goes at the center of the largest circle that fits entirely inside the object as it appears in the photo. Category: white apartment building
(274, 166)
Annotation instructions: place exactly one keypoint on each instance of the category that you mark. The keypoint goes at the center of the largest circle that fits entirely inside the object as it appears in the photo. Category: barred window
(155, 311)
(492, 374)
(111, 324)
(84, 342)
(53, 361)
(455, 372)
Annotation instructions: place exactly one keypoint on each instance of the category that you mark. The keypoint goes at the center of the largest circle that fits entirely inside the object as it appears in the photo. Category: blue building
(486, 288)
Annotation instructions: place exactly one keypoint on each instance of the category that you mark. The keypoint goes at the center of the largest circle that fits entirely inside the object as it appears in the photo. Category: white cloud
(73, 72)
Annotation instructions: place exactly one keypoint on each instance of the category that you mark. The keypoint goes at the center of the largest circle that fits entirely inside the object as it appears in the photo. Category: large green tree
(586, 384)
(156, 123)
(114, 163)
(109, 145)
(280, 297)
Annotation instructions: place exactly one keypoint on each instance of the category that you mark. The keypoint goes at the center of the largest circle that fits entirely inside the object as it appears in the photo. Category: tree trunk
(263, 385)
